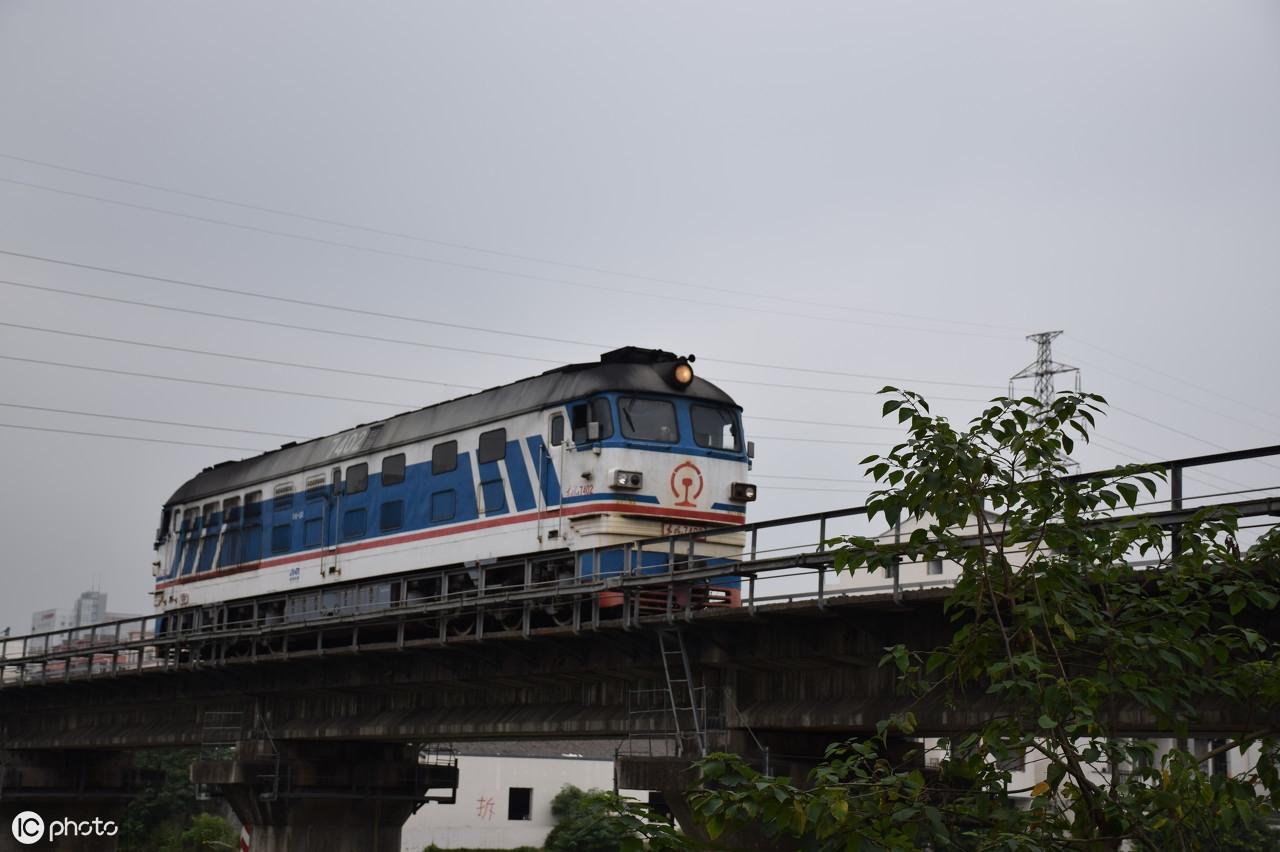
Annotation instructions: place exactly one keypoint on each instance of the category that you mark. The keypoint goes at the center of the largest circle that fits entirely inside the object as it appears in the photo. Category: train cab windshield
(648, 419)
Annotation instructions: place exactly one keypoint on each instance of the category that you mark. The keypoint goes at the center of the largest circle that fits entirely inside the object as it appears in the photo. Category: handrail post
(1175, 503)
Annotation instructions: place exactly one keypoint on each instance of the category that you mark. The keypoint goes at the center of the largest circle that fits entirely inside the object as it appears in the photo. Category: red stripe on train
(389, 541)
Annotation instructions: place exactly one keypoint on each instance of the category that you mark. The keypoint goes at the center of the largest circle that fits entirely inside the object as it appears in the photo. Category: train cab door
(329, 525)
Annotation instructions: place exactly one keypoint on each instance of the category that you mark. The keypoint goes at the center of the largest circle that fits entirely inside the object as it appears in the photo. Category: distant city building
(46, 620)
(90, 608)
(505, 792)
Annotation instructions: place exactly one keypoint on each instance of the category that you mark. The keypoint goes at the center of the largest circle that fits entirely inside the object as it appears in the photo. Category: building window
(557, 430)
(493, 446)
(520, 803)
(1218, 765)
(1015, 762)
(658, 805)
(444, 457)
(935, 566)
(357, 478)
(393, 469)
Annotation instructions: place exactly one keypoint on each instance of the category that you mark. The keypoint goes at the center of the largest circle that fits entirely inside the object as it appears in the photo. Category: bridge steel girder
(324, 796)
(792, 669)
(71, 788)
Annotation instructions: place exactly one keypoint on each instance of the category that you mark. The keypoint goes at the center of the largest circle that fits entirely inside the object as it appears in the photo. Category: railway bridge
(315, 730)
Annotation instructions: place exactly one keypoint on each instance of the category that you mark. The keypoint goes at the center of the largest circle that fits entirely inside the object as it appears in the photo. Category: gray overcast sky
(880, 188)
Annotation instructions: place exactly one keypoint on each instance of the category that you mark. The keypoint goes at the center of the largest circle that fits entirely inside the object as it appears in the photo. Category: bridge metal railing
(781, 561)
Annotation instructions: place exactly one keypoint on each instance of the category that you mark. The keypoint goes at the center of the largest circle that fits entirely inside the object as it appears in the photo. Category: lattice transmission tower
(1044, 368)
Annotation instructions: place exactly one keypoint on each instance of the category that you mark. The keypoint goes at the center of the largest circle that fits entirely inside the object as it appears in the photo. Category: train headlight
(626, 480)
(683, 373)
(742, 492)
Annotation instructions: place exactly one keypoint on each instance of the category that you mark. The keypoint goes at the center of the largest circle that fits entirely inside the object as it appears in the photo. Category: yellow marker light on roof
(683, 373)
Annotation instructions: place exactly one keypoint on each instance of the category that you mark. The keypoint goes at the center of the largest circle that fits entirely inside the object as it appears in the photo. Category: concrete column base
(325, 796)
(78, 798)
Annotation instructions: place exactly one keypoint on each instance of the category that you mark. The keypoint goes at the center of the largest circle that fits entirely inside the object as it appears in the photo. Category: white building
(505, 792)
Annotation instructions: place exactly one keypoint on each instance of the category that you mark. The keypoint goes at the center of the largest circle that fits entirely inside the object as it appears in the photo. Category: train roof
(628, 369)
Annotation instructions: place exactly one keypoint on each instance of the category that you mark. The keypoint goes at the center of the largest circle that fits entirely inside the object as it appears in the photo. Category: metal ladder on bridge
(220, 731)
(681, 694)
(224, 730)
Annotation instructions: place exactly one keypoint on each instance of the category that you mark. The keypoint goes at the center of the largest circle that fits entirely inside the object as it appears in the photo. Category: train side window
(282, 498)
(444, 505)
(393, 469)
(493, 446)
(392, 515)
(584, 413)
(444, 457)
(281, 538)
(209, 510)
(357, 478)
(253, 506)
(353, 523)
(557, 430)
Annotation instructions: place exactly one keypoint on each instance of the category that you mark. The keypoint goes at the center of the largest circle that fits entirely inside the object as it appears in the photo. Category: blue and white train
(520, 484)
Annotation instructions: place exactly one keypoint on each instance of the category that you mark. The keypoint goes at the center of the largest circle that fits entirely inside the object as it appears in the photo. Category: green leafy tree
(156, 817)
(208, 832)
(598, 821)
(586, 821)
(166, 817)
(1054, 621)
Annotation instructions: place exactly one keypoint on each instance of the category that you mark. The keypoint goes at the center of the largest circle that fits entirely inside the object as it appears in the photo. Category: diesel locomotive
(543, 480)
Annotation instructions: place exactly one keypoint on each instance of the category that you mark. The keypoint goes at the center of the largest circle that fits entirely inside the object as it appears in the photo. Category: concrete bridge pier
(325, 796)
(73, 799)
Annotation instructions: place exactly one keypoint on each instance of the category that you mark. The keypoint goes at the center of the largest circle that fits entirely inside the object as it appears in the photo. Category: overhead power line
(229, 385)
(331, 397)
(1199, 406)
(307, 303)
(346, 309)
(272, 324)
(820, 423)
(401, 341)
(275, 211)
(230, 356)
(151, 420)
(126, 437)
(1180, 379)
(472, 267)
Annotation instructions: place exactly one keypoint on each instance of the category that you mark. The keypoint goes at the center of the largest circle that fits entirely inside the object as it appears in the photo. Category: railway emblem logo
(686, 483)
